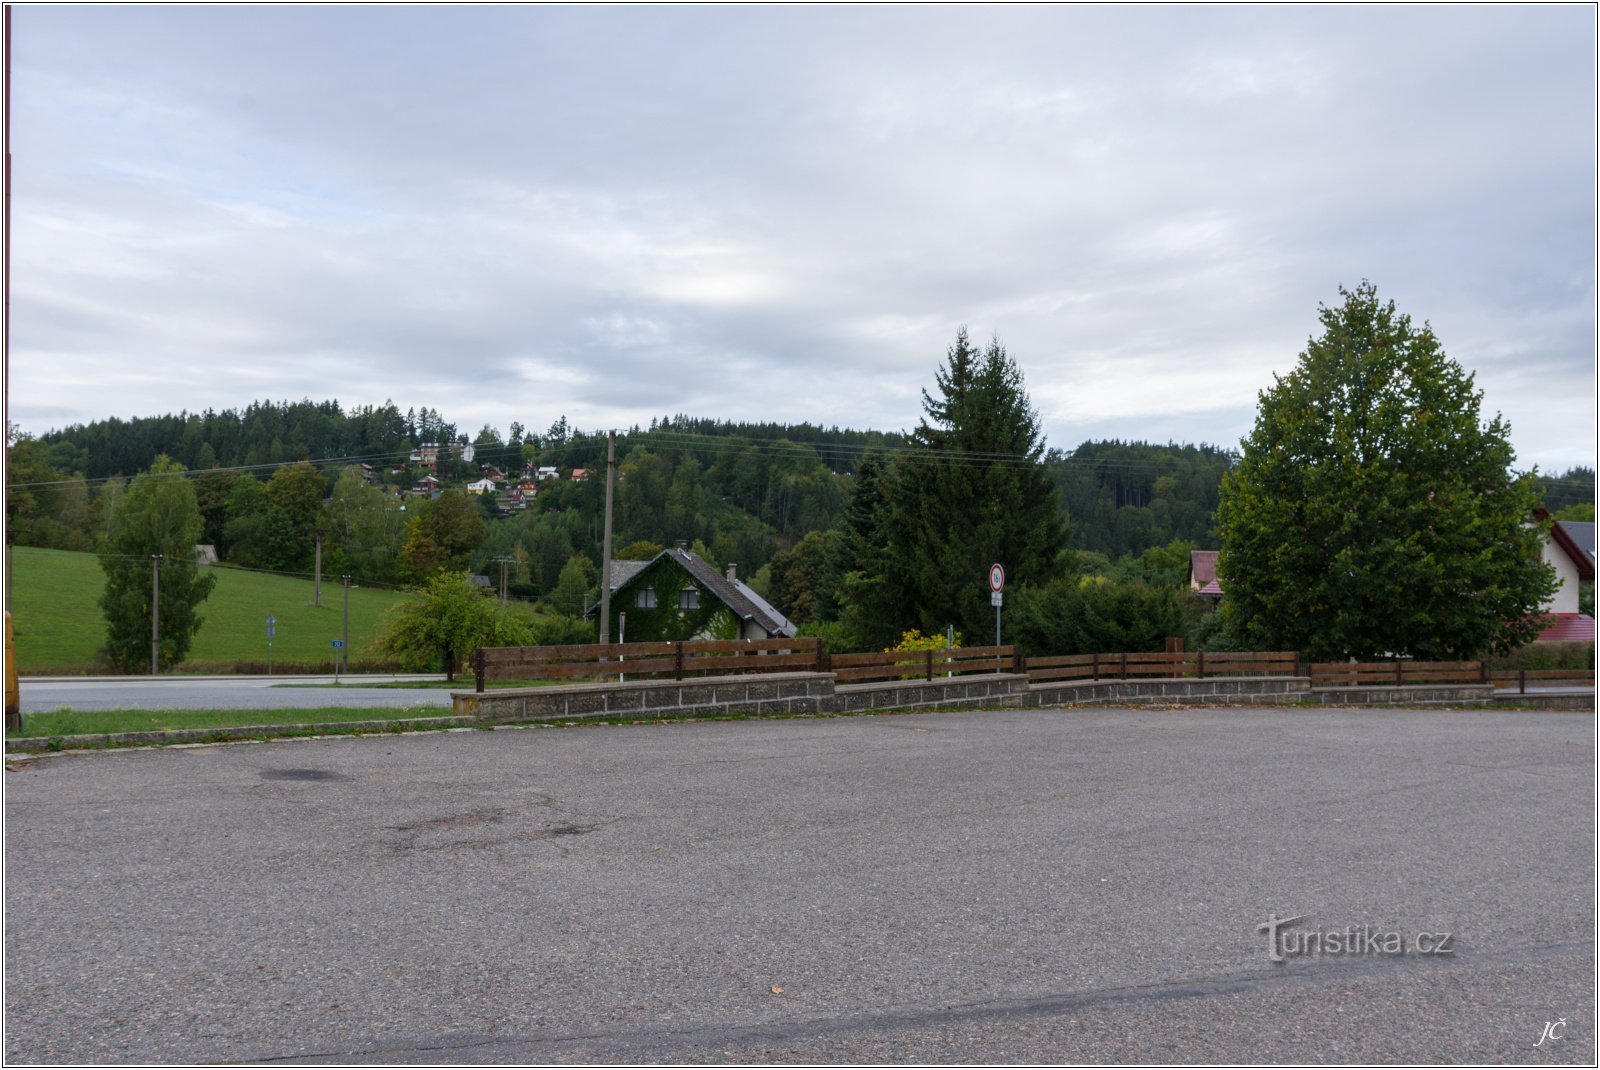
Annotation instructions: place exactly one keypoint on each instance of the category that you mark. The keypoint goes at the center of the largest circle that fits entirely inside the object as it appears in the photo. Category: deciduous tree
(1373, 511)
(445, 621)
(158, 515)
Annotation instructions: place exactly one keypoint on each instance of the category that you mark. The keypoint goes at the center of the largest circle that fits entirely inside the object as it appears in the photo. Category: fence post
(927, 666)
(1522, 681)
(677, 663)
(1399, 673)
(1124, 665)
(1483, 672)
(1097, 665)
(819, 660)
(1202, 666)
(477, 668)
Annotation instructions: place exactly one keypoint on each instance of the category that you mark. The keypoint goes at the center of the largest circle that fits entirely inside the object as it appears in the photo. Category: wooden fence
(609, 661)
(1397, 673)
(1520, 678)
(605, 661)
(1197, 664)
(922, 664)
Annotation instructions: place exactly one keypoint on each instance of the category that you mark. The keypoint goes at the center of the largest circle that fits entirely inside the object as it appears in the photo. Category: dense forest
(275, 478)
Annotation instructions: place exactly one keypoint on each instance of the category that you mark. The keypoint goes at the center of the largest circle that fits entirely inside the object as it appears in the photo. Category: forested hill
(757, 485)
(1125, 497)
(269, 433)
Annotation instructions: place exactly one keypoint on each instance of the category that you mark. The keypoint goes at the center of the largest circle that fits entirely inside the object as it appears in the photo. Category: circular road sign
(997, 578)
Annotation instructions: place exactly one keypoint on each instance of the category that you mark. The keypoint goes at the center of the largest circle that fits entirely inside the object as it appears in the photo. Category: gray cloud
(614, 214)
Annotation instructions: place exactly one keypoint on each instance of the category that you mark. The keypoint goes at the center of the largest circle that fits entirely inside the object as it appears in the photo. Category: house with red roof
(1569, 549)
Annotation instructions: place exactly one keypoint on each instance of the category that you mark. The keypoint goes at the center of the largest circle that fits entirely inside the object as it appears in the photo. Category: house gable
(677, 596)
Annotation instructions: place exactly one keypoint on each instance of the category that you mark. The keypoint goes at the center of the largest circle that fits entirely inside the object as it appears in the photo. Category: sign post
(272, 629)
(997, 584)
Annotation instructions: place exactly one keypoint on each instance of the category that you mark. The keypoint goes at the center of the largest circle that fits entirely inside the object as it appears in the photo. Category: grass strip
(69, 722)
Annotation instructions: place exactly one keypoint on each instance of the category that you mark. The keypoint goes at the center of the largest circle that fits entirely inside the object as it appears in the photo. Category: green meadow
(60, 628)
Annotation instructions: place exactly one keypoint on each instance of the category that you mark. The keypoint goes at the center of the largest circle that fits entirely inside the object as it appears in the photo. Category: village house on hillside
(677, 596)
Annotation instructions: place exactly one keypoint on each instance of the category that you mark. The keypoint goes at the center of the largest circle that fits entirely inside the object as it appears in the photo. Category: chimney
(683, 544)
(731, 576)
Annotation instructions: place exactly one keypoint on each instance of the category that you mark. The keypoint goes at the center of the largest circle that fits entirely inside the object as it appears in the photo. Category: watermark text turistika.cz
(1286, 941)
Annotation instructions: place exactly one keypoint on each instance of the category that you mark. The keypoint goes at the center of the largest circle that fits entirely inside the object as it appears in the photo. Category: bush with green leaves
(446, 620)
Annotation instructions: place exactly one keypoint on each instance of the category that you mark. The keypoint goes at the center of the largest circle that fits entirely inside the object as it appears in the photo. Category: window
(645, 599)
(689, 598)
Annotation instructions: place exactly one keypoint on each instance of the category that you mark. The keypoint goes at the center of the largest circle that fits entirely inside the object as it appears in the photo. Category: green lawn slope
(60, 628)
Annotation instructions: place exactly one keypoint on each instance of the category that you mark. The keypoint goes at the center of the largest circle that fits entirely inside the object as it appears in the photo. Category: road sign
(338, 644)
(997, 579)
(995, 598)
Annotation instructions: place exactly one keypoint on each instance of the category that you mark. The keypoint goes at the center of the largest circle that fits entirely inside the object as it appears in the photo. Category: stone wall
(794, 692)
(812, 692)
(1215, 690)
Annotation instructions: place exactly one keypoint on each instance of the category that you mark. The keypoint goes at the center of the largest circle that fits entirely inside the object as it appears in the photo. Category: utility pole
(316, 583)
(605, 551)
(344, 651)
(504, 562)
(155, 614)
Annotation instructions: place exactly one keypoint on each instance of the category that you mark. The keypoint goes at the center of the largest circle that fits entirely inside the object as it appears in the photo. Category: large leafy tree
(445, 621)
(1373, 512)
(158, 515)
(971, 492)
(442, 534)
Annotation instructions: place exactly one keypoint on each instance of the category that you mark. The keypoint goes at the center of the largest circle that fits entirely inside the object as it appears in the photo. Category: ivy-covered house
(678, 596)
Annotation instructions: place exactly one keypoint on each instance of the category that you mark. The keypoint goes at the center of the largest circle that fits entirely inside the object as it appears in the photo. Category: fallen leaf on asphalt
(777, 990)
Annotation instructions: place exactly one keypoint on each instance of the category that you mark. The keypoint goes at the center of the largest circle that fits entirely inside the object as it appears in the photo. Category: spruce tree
(971, 492)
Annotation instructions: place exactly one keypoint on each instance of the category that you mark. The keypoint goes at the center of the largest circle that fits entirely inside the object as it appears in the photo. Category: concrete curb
(45, 744)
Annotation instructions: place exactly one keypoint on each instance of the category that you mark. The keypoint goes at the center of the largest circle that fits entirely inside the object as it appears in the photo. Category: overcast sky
(787, 213)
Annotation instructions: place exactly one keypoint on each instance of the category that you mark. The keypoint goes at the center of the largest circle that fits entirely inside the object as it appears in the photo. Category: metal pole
(155, 613)
(605, 552)
(345, 649)
(316, 583)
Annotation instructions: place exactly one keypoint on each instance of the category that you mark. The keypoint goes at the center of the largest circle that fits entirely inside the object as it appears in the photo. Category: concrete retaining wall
(993, 689)
(806, 692)
(809, 692)
(1242, 690)
(793, 692)
(1407, 695)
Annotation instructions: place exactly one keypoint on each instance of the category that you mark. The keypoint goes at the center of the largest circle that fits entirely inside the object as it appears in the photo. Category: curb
(51, 744)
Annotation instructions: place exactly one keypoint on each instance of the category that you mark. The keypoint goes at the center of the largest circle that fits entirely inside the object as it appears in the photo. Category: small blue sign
(338, 644)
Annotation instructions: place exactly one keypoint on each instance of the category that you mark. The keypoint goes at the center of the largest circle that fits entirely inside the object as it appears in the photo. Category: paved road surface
(218, 692)
(1015, 886)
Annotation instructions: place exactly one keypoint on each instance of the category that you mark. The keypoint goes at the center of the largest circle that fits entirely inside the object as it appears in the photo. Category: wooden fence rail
(596, 661)
(602, 661)
(922, 664)
(1519, 678)
(1396, 673)
(1197, 664)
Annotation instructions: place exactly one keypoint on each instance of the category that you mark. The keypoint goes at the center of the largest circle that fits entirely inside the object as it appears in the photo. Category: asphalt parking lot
(1016, 886)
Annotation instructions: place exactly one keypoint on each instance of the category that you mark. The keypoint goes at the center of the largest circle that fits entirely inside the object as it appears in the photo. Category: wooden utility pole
(605, 546)
(155, 614)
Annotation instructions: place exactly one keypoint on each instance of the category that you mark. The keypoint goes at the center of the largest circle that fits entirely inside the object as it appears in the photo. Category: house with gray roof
(677, 596)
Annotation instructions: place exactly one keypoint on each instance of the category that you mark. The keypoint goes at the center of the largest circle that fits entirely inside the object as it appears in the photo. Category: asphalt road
(219, 693)
(1018, 886)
